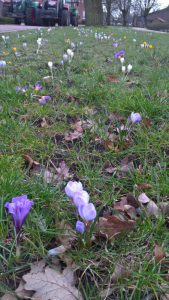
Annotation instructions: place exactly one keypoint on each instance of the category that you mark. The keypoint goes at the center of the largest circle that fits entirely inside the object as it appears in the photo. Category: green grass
(145, 90)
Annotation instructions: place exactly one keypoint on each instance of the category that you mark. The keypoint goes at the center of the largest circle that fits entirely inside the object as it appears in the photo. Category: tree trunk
(124, 14)
(108, 17)
(93, 12)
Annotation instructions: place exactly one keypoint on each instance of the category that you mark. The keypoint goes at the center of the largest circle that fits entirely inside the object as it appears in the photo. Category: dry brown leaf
(44, 123)
(143, 186)
(119, 273)
(77, 126)
(63, 171)
(112, 226)
(116, 117)
(112, 78)
(67, 236)
(109, 168)
(120, 204)
(28, 159)
(147, 122)
(52, 284)
(152, 209)
(158, 253)
(21, 292)
(130, 211)
(49, 177)
(164, 207)
(143, 199)
(71, 136)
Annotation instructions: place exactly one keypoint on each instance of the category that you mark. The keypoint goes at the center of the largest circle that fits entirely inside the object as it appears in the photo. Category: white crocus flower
(123, 68)
(122, 60)
(129, 68)
(50, 65)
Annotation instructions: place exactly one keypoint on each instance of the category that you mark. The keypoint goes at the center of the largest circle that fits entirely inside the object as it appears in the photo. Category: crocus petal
(81, 198)
(87, 212)
(72, 187)
(80, 227)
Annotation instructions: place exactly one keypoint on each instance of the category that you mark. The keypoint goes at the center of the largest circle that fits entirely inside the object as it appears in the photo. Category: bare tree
(93, 12)
(124, 7)
(146, 7)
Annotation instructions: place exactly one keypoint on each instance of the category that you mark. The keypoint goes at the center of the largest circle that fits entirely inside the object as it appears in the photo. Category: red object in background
(81, 11)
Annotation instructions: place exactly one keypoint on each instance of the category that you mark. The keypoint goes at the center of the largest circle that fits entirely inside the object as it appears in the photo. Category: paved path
(11, 28)
(147, 30)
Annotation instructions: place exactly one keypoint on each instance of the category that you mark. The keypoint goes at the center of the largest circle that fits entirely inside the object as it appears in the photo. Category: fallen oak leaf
(113, 226)
(52, 284)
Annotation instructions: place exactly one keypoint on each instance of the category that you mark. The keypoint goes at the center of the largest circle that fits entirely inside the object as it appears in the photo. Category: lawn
(84, 133)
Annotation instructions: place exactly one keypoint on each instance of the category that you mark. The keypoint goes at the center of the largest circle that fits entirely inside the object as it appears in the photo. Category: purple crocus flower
(73, 187)
(38, 86)
(115, 44)
(81, 198)
(87, 212)
(43, 99)
(135, 117)
(19, 209)
(80, 227)
(119, 54)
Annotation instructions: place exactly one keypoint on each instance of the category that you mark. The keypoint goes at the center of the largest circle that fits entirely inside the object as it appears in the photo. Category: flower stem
(18, 246)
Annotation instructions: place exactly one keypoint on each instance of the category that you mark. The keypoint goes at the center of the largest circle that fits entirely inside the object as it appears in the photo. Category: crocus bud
(65, 57)
(81, 198)
(135, 117)
(50, 64)
(123, 68)
(122, 59)
(87, 212)
(24, 45)
(80, 227)
(73, 187)
(129, 68)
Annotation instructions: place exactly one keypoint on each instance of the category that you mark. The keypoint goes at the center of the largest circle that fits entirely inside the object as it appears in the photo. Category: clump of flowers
(44, 99)
(119, 55)
(38, 87)
(86, 211)
(22, 89)
(146, 45)
(19, 209)
(126, 70)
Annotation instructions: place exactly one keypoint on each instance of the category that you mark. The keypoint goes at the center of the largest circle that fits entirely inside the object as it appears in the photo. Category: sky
(164, 3)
